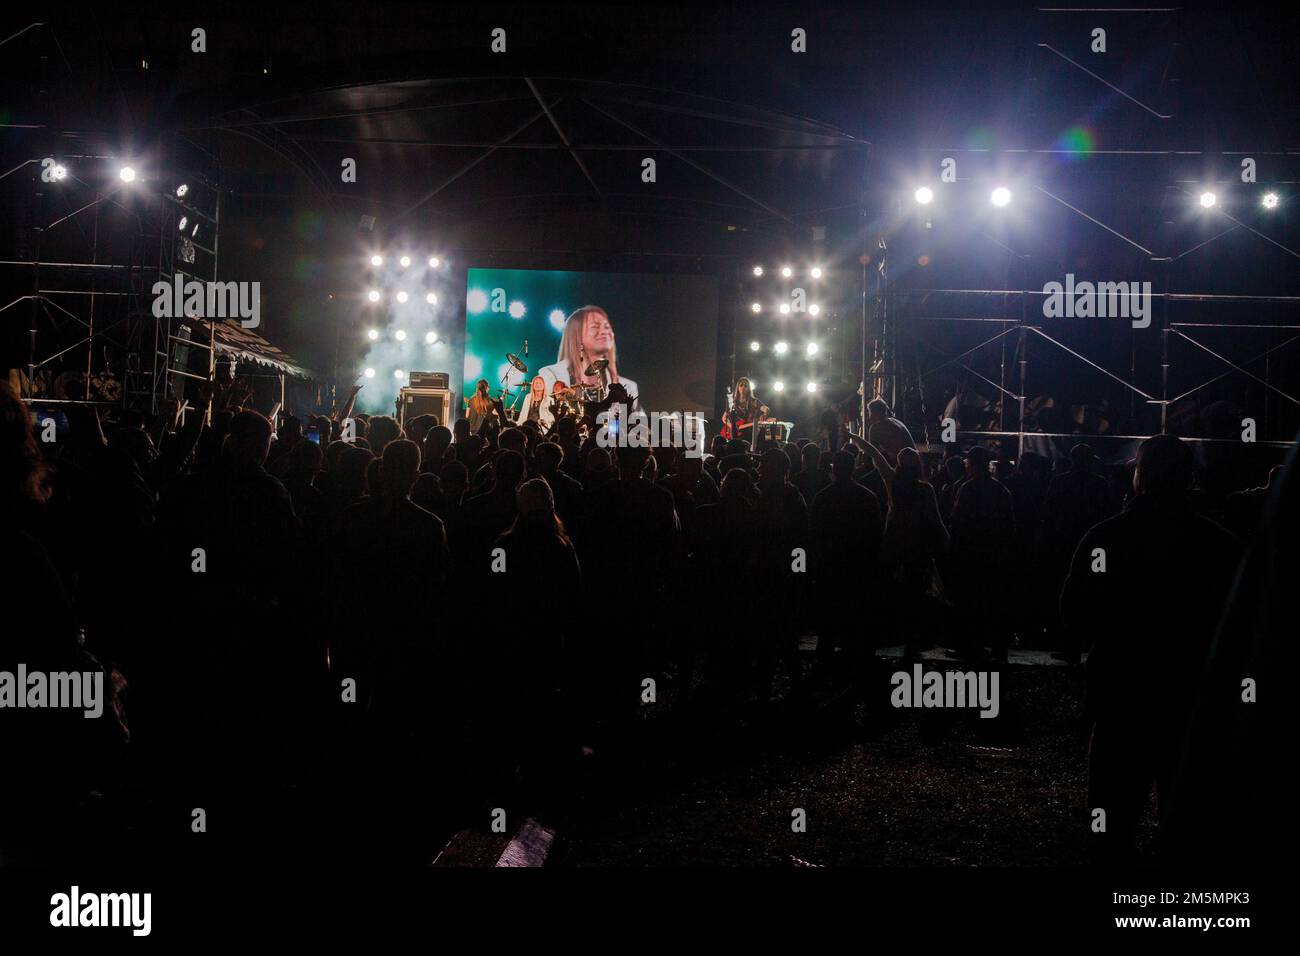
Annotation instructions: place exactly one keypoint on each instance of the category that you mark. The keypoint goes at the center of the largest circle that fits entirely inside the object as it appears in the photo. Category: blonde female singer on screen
(536, 405)
(588, 338)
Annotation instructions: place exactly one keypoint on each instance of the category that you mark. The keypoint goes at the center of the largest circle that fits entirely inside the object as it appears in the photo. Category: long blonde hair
(481, 403)
(570, 353)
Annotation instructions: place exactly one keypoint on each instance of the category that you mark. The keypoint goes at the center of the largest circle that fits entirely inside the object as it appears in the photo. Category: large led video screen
(656, 334)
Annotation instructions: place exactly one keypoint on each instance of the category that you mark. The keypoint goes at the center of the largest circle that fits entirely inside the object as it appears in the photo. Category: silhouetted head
(334, 454)
(249, 438)
(352, 471)
(290, 430)
(877, 410)
(1081, 456)
(305, 459)
(631, 461)
(549, 456)
(909, 465)
(1032, 465)
(436, 443)
(418, 427)
(597, 461)
(736, 483)
(977, 461)
(535, 496)
(513, 439)
(1165, 468)
(508, 469)
(842, 466)
(383, 429)
(401, 465)
(454, 479)
(775, 465)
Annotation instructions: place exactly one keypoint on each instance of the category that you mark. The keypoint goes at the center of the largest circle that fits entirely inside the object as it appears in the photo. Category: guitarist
(480, 407)
(745, 410)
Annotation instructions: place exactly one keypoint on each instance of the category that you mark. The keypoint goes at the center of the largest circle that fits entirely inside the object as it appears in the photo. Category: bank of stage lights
(401, 297)
(1001, 197)
(787, 271)
(404, 262)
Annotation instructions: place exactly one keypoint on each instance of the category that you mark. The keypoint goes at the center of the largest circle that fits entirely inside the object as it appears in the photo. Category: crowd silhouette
(341, 630)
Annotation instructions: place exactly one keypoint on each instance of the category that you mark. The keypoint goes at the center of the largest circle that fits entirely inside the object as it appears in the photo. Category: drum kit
(566, 400)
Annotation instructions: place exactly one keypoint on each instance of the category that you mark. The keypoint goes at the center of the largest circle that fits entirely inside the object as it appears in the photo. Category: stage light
(126, 174)
(756, 307)
(400, 335)
(398, 373)
(785, 308)
(1208, 199)
(194, 233)
(370, 373)
(811, 350)
(60, 173)
(434, 262)
(404, 262)
(811, 386)
(373, 335)
(815, 272)
(778, 386)
(517, 309)
(1270, 200)
(1001, 196)
(786, 272)
(431, 299)
(925, 195)
(180, 226)
(376, 261)
(781, 348)
(373, 295)
(814, 309)
(758, 270)
(476, 300)
(402, 297)
(430, 338)
(557, 320)
(755, 345)
(181, 190)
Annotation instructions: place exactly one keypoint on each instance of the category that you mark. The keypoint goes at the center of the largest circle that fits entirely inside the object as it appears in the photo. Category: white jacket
(559, 372)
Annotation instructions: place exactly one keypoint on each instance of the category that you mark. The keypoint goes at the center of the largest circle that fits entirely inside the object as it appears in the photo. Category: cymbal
(596, 367)
(516, 361)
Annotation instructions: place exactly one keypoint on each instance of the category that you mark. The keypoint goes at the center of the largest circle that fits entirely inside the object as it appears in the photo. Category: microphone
(525, 348)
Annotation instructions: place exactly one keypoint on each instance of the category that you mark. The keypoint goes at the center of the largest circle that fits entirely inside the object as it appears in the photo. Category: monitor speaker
(414, 402)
